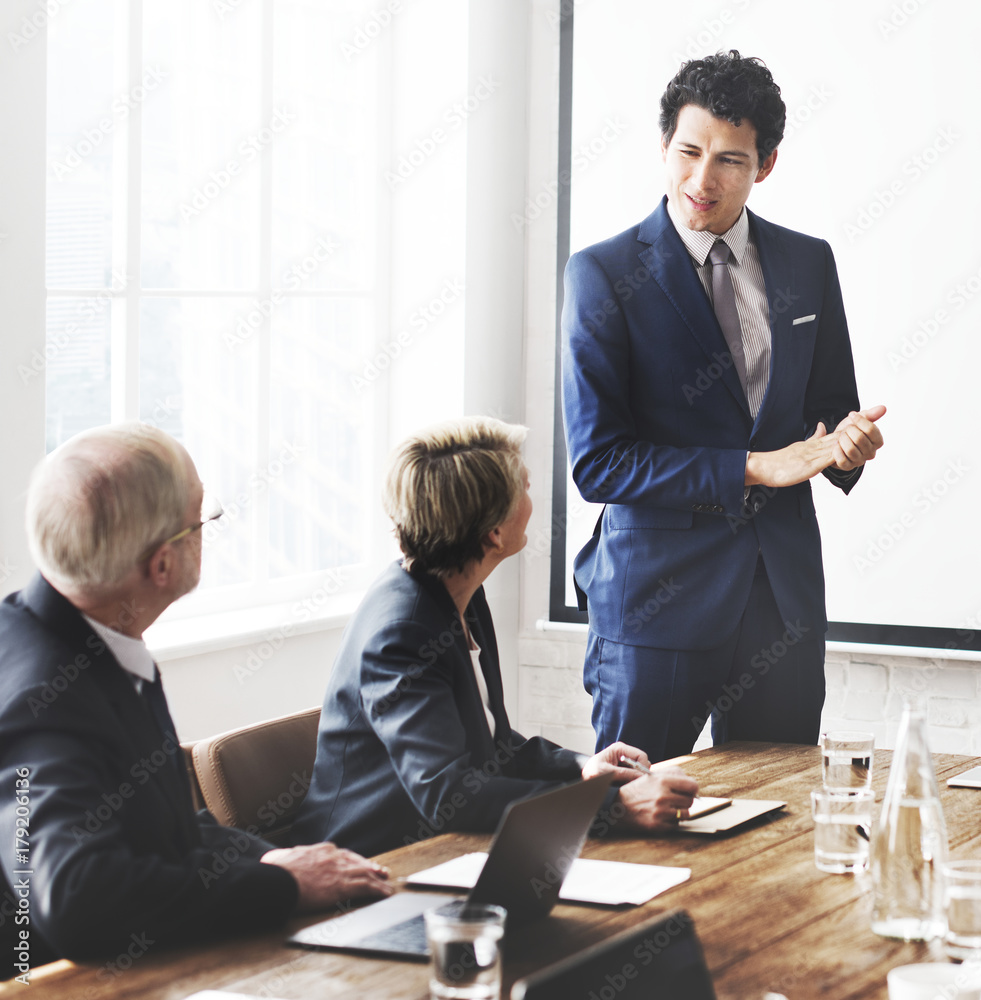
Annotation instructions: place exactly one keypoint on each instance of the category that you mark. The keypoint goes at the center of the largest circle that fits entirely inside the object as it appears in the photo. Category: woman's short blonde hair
(104, 499)
(449, 486)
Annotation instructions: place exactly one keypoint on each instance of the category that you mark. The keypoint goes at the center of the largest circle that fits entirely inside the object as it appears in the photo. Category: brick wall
(864, 692)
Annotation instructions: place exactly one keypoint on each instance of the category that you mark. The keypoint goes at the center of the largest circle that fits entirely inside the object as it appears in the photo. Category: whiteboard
(882, 157)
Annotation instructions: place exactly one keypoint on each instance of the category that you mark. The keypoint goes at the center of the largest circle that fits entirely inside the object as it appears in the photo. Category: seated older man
(97, 829)
(414, 736)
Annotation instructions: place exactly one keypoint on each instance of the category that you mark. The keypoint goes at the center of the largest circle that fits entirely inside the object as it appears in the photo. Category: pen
(636, 765)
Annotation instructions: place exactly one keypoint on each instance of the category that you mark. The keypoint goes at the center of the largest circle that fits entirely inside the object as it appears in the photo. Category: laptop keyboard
(408, 936)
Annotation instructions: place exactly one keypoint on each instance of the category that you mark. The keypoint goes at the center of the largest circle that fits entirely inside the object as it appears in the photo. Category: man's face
(711, 167)
(189, 547)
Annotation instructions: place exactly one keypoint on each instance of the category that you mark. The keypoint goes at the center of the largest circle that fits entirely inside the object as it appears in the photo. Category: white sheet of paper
(218, 995)
(589, 881)
(966, 779)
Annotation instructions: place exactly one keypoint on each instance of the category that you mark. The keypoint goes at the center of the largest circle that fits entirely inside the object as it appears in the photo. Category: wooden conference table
(768, 920)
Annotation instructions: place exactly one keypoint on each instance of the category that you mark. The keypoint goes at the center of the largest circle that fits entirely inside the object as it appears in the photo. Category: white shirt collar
(699, 243)
(133, 655)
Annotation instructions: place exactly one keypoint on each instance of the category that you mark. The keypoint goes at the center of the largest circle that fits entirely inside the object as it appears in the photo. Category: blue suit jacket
(404, 751)
(119, 858)
(658, 428)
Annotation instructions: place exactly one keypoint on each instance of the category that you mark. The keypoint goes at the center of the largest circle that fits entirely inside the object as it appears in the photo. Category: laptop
(536, 842)
(660, 960)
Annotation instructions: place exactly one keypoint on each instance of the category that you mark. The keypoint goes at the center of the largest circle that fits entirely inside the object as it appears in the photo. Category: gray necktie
(724, 303)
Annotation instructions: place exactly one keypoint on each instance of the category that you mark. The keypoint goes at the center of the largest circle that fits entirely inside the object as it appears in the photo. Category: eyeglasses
(211, 510)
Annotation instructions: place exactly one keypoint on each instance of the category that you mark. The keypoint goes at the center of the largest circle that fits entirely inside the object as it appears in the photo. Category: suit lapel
(477, 719)
(131, 711)
(671, 267)
(777, 265)
(492, 678)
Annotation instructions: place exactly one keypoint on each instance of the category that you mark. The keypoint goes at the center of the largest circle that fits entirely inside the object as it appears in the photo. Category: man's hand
(793, 464)
(851, 444)
(653, 803)
(858, 438)
(327, 874)
(609, 760)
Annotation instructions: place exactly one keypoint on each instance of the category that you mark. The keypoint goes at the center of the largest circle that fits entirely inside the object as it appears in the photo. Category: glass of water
(962, 905)
(465, 941)
(842, 828)
(846, 759)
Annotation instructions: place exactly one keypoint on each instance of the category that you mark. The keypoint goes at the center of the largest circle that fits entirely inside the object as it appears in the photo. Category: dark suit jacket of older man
(113, 860)
(404, 750)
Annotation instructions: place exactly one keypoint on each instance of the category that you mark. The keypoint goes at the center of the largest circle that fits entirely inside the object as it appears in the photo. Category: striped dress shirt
(750, 289)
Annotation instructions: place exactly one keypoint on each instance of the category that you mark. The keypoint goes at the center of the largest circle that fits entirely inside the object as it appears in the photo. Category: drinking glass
(465, 941)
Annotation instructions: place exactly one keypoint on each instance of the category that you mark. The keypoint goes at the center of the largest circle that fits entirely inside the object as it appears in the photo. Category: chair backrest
(196, 797)
(256, 777)
(659, 960)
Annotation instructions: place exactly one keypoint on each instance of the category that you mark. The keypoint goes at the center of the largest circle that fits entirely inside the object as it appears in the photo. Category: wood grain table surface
(767, 918)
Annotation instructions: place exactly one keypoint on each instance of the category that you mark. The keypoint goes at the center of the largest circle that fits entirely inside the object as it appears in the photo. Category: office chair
(256, 777)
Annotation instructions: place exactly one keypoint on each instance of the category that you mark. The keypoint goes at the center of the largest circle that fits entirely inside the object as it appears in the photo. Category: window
(213, 266)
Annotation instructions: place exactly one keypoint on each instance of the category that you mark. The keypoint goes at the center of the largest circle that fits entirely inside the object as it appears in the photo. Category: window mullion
(127, 214)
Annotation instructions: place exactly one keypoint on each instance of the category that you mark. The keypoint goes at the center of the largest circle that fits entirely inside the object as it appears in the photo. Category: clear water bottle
(910, 840)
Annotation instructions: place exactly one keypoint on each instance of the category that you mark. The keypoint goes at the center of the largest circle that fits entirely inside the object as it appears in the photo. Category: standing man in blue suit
(707, 377)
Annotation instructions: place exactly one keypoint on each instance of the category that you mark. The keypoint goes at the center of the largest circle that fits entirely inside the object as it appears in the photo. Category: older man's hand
(327, 874)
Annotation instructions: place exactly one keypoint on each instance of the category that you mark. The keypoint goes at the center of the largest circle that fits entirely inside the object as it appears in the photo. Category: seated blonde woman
(414, 737)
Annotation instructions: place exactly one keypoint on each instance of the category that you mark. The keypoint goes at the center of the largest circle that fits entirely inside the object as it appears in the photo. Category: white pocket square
(804, 319)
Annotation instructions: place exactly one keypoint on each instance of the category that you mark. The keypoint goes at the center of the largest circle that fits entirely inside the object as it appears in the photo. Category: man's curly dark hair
(732, 87)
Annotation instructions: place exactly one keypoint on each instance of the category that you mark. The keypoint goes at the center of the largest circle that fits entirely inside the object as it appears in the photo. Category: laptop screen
(661, 960)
